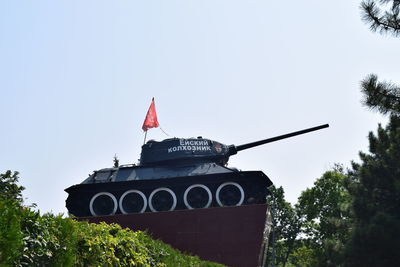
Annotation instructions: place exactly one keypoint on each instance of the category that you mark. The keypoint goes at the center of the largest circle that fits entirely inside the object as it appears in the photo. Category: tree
(375, 186)
(10, 212)
(324, 210)
(9, 189)
(315, 230)
(376, 193)
(286, 228)
(382, 16)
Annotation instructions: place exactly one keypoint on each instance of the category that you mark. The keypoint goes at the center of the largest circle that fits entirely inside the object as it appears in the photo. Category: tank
(173, 174)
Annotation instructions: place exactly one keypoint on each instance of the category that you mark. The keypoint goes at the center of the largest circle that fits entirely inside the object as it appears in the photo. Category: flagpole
(145, 135)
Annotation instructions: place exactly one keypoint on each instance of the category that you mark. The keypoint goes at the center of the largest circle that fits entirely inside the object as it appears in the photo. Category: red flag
(151, 118)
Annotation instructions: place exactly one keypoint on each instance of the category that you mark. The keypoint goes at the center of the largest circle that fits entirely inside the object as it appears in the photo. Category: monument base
(234, 236)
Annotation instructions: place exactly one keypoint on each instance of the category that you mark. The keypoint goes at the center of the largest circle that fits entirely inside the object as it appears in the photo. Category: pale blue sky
(77, 77)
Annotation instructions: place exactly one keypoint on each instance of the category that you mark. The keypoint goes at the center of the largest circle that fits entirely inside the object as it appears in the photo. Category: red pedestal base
(234, 236)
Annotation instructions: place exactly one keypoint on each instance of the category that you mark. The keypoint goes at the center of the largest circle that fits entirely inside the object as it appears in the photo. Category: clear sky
(77, 78)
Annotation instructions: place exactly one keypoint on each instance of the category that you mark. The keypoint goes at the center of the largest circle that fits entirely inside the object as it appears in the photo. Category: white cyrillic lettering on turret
(191, 145)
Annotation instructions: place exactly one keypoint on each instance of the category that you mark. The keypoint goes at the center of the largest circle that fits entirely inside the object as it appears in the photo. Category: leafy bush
(10, 234)
(48, 240)
(9, 188)
(110, 245)
(30, 239)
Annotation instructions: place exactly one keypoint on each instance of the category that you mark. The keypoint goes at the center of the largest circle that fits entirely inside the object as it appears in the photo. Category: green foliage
(382, 96)
(109, 245)
(304, 255)
(376, 181)
(313, 232)
(10, 218)
(10, 234)
(382, 15)
(326, 203)
(8, 186)
(48, 240)
(30, 239)
(326, 216)
(376, 193)
(286, 227)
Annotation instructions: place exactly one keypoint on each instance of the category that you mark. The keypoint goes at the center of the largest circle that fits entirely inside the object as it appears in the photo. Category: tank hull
(245, 188)
(234, 236)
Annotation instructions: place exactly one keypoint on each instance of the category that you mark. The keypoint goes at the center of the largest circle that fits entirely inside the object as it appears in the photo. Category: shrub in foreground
(30, 239)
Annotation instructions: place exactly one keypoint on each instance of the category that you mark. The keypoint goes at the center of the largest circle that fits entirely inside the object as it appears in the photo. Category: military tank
(173, 174)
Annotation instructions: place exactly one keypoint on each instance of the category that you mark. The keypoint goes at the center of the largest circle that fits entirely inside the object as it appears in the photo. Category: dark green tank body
(254, 186)
(173, 174)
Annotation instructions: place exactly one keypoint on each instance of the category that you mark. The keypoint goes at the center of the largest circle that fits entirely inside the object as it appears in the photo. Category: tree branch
(388, 22)
(382, 96)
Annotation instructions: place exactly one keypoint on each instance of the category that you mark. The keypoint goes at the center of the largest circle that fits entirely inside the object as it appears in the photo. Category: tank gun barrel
(276, 138)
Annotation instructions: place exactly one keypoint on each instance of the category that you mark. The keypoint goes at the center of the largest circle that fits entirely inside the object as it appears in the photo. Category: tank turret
(173, 174)
(180, 151)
